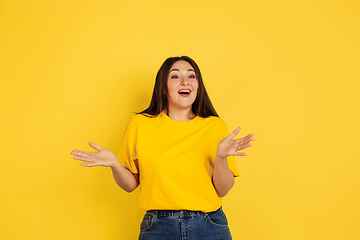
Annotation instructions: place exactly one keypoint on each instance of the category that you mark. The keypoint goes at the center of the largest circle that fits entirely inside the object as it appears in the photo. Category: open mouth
(184, 92)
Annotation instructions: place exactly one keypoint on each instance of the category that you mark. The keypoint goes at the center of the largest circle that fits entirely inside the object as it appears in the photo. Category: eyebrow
(175, 69)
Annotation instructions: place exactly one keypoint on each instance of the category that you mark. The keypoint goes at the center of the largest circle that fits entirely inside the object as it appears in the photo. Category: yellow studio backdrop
(75, 71)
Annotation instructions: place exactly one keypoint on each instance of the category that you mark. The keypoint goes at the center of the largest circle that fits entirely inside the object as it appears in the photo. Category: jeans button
(182, 212)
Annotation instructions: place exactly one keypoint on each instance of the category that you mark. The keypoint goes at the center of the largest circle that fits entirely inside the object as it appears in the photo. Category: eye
(175, 77)
(192, 76)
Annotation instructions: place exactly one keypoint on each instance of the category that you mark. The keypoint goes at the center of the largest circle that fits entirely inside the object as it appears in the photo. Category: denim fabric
(184, 225)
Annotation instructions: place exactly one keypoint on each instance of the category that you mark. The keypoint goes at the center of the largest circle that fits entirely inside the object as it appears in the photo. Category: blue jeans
(184, 225)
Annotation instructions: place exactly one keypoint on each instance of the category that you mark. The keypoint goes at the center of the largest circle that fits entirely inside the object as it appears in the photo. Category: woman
(180, 151)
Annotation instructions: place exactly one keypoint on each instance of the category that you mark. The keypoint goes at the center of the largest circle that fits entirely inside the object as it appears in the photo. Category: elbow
(130, 188)
(128, 184)
(221, 195)
(223, 192)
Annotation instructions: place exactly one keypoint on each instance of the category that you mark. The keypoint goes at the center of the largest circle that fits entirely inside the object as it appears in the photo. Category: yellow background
(75, 71)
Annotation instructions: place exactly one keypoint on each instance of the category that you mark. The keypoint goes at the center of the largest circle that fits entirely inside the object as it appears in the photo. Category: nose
(184, 81)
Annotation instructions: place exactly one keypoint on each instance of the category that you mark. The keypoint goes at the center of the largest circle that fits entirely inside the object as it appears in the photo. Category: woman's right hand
(104, 157)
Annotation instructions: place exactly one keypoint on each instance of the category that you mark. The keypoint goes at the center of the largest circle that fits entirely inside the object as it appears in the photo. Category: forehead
(181, 65)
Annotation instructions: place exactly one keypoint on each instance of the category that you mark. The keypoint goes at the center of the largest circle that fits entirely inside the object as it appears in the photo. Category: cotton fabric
(176, 161)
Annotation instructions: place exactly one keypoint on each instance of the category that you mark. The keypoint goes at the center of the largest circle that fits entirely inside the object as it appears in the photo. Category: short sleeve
(230, 159)
(128, 152)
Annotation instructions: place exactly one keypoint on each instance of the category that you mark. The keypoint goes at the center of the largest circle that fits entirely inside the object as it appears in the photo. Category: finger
(240, 154)
(74, 152)
(94, 146)
(234, 133)
(247, 139)
(85, 159)
(243, 146)
(89, 164)
(80, 153)
(250, 137)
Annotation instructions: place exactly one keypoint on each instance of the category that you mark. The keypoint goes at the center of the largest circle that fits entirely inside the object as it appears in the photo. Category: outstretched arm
(106, 158)
(223, 179)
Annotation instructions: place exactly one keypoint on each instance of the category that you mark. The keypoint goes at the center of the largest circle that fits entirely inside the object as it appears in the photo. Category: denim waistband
(175, 213)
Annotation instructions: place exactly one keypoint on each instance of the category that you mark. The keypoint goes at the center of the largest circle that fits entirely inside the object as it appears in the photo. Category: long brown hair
(202, 105)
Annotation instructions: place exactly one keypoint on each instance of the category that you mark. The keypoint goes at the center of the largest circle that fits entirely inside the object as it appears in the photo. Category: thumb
(93, 145)
(234, 133)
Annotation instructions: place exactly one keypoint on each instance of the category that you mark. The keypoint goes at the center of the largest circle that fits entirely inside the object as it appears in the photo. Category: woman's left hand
(230, 146)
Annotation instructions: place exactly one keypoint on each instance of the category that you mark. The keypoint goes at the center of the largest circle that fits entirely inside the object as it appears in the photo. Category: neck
(180, 115)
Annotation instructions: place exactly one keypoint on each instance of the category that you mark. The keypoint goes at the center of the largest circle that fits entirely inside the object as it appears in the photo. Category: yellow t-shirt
(175, 160)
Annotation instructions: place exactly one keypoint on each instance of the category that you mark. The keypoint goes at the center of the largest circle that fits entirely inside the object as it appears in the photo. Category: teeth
(184, 91)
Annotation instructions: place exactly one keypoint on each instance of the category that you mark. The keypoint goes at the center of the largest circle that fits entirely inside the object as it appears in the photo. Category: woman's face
(182, 86)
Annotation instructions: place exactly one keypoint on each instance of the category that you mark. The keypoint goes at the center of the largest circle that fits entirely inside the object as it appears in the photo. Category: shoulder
(219, 127)
(137, 117)
(215, 125)
(141, 119)
(216, 121)
(136, 122)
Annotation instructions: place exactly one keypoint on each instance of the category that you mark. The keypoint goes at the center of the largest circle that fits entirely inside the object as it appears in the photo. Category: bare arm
(106, 158)
(124, 178)
(223, 179)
